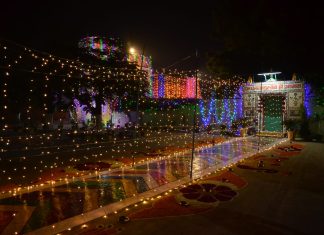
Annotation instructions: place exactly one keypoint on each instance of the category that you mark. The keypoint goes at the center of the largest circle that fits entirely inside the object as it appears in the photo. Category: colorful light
(174, 87)
(102, 48)
(190, 87)
(239, 102)
(229, 110)
(308, 99)
(161, 86)
(206, 119)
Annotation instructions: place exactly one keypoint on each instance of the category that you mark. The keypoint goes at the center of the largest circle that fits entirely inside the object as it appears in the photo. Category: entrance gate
(270, 103)
(273, 113)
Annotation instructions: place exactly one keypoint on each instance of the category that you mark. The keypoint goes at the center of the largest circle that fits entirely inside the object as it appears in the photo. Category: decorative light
(170, 90)
(308, 100)
(132, 50)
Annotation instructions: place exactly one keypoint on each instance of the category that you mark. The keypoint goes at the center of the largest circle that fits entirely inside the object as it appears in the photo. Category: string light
(169, 108)
(5, 100)
(165, 105)
(308, 100)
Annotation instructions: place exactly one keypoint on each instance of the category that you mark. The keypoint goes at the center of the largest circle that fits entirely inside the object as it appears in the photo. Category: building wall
(293, 94)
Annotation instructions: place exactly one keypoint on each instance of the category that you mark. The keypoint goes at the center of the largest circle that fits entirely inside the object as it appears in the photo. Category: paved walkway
(38, 162)
(58, 208)
(284, 197)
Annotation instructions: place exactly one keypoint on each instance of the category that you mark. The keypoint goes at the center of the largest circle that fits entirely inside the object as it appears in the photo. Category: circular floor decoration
(208, 192)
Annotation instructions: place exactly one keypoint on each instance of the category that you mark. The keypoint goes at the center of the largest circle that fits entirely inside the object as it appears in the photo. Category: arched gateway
(271, 102)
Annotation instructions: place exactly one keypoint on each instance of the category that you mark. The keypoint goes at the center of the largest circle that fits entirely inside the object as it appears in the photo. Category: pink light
(190, 87)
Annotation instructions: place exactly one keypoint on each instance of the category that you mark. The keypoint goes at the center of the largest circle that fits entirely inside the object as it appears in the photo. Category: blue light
(239, 102)
(206, 118)
(222, 111)
(227, 113)
(161, 86)
(307, 100)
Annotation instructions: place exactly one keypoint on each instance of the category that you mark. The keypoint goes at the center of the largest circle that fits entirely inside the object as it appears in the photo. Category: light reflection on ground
(58, 203)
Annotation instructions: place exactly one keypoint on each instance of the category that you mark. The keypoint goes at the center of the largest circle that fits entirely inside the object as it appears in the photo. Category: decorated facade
(272, 102)
(174, 87)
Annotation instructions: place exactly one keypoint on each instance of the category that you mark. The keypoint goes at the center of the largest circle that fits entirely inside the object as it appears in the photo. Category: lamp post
(133, 51)
(194, 121)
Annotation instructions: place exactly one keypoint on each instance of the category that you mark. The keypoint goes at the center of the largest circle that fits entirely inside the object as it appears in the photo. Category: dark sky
(169, 32)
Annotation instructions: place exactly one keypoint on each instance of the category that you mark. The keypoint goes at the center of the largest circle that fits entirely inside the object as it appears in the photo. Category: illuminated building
(271, 102)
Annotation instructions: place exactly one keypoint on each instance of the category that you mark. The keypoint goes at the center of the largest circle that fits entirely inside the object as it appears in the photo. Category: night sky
(169, 31)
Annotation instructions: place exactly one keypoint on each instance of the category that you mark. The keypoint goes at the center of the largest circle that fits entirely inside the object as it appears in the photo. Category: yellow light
(132, 50)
